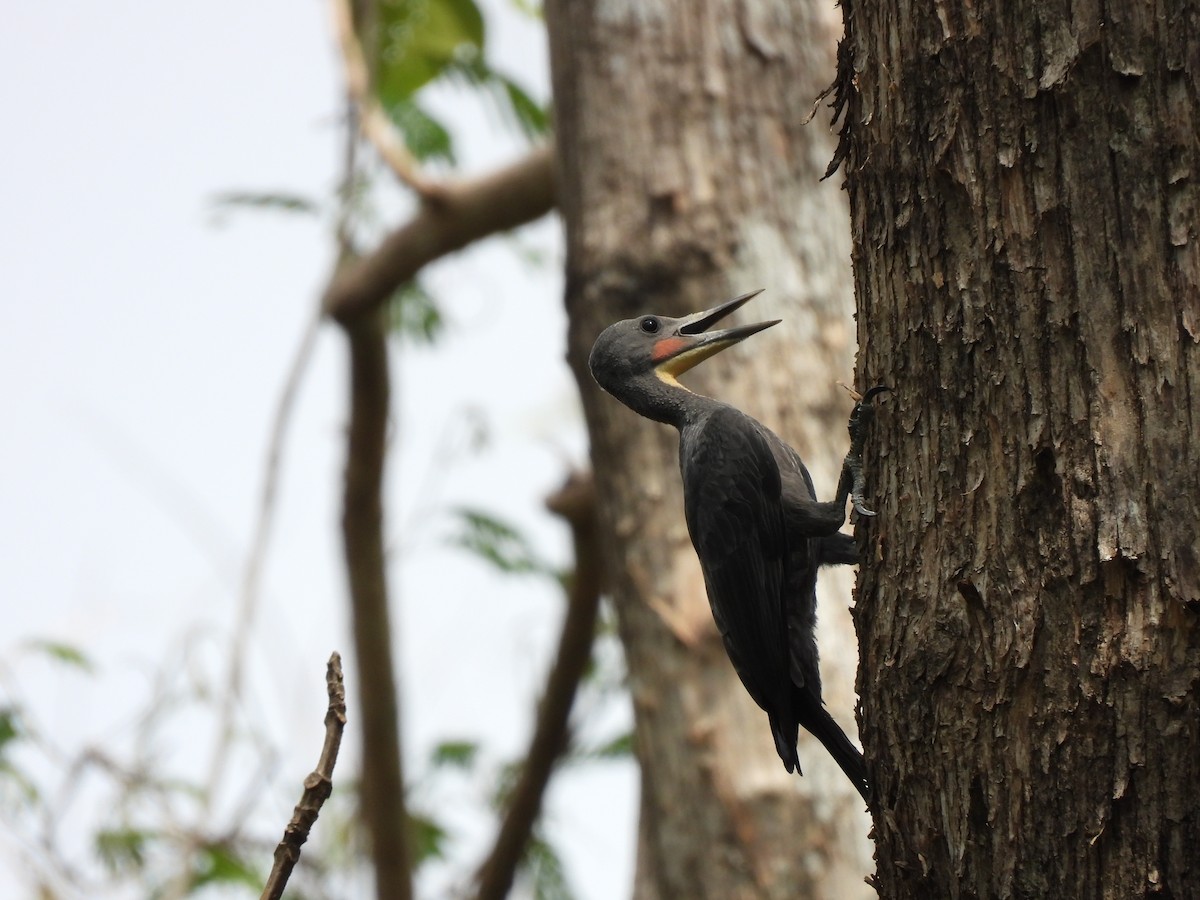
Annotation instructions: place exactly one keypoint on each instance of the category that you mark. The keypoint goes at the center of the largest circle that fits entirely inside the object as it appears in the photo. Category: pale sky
(143, 348)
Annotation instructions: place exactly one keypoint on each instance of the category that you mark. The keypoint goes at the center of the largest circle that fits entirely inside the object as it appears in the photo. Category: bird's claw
(860, 418)
(862, 510)
(858, 483)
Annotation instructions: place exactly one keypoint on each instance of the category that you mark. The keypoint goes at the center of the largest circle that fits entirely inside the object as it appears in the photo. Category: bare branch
(464, 212)
(575, 502)
(317, 786)
(248, 597)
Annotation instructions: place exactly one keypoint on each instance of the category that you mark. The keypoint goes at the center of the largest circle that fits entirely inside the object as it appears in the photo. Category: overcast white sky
(142, 352)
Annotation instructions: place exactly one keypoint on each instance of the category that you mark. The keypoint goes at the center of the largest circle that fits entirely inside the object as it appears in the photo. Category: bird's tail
(822, 726)
(785, 745)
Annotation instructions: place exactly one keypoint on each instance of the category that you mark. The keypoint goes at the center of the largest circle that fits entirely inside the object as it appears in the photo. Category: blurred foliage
(16, 788)
(57, 651)
(455, 754)
(428, 838)
(413, 44)
(620, 747)
(223, 204)
(531, 8)
(508, 99)
(426, 137)
(10, 728)
(146, 827)
(504, 783)
(542, 868)
(498, 543)
(156, 832)
(222, 863)
(414, 41)
(413, 314)
(122, 850)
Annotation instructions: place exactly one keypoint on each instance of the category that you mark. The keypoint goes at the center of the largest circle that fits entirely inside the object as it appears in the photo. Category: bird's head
(660, 347)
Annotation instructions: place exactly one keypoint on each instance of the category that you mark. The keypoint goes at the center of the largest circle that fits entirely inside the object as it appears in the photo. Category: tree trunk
(686, 177)
(1023, 183)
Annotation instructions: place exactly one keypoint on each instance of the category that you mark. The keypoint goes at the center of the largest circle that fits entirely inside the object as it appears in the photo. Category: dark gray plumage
(753, 517)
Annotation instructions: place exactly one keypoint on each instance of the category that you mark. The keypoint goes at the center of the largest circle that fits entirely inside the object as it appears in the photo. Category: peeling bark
(1023, 183)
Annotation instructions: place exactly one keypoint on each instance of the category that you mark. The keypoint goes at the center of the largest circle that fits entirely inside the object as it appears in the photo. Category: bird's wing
(732, 502)
(805, 515)
(812, 540)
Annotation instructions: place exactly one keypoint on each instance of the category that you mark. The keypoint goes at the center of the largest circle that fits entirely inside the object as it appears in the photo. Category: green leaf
(544, 868)
(506, 783)
(531, 8)
(414, 313)
(509, 99)
(498, 543)
(123, 850)
(426, 137)
(428, 838)
(620, 747)
(532, 119)
(418, 39)
(68, 654)
(456, 754)
(220, 864)
(15, 786)
(469, 69)
(10, 726)
(232, 201)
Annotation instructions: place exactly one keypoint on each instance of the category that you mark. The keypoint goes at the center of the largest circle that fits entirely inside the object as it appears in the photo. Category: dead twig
(317, 786)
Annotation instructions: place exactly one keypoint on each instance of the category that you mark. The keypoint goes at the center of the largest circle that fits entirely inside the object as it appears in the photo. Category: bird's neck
(663, 399)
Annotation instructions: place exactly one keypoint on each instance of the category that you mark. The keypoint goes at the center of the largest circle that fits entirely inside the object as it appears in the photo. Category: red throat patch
(667, 347)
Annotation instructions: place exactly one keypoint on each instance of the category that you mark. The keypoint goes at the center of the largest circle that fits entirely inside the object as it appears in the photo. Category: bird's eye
(650, 325)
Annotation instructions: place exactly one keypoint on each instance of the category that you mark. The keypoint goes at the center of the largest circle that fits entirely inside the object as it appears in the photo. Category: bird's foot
(852, 466)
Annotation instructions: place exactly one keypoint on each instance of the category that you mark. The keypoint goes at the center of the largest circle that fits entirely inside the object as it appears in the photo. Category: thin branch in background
(317, 786)
(256, 560)
(466, 211)
(576, 503)
(376, 127)
(250, 592)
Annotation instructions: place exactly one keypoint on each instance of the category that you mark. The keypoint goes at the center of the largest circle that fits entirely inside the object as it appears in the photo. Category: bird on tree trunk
(753, 516)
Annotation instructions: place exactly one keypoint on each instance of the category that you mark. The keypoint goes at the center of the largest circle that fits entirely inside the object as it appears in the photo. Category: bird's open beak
(693, 343)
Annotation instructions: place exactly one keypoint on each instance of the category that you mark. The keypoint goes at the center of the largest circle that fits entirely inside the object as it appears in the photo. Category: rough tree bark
(687, 177)
(1023, 183)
